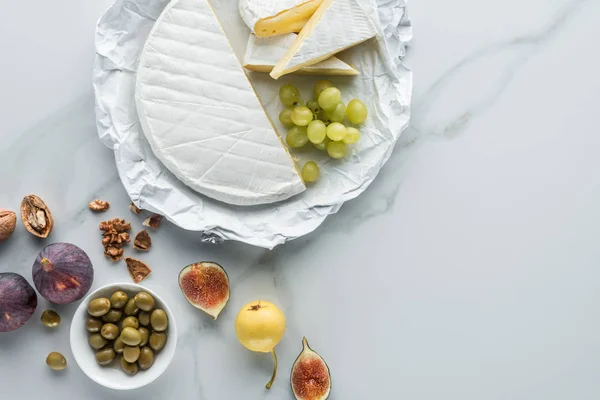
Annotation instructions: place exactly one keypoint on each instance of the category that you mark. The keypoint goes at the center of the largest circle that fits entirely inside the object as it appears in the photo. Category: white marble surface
(469, 270)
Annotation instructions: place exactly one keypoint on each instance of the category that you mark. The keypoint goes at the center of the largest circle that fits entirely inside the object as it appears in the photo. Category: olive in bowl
(123, 355)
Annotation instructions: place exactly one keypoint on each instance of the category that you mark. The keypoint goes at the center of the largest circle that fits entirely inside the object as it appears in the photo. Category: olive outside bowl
(111, 376)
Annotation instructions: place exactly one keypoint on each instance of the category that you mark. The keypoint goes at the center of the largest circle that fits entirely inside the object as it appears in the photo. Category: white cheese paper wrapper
(385, 85)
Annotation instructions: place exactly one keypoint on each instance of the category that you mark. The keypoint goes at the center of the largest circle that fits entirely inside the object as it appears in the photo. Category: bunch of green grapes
(320, 121)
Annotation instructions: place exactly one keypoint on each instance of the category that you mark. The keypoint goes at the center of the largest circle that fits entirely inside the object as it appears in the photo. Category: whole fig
(62, 273)
(17, 301)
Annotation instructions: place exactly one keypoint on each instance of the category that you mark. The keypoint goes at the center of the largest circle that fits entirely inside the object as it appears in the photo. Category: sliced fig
(206, 286)
(310, 377)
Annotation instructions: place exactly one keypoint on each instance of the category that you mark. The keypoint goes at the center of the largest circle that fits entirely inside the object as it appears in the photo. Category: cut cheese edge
(263, 53)
(275, 17)
(201, 115)
(336, 26)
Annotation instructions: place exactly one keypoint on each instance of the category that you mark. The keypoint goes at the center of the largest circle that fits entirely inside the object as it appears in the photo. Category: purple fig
(17, 301)
(62, 273)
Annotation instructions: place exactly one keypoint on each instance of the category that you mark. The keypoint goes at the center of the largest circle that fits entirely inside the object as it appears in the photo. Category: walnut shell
(137, 269)
(36, 216)
(153, 221)
(142, 241)
(8, 222)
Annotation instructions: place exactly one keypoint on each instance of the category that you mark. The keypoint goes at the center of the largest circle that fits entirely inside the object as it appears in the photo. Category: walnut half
(115, 236)
(36, 216)
(99, 205)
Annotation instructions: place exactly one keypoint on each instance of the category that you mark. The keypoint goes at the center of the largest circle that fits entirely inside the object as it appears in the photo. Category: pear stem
(268, 385)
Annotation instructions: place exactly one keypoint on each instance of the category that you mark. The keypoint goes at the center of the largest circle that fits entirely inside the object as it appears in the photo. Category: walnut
(142, 241)
(115, 236)
(154, 221)
(134, 209)
(99, 205)
(36, 216)
(8, 221)
(137, 269)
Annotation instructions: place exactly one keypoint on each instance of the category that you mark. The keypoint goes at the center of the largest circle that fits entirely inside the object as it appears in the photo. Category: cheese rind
(263, 53)
(337, 25)
(201, 115)
(275, 17)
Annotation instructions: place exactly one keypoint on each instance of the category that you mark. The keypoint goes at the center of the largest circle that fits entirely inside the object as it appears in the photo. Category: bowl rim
(82, 309)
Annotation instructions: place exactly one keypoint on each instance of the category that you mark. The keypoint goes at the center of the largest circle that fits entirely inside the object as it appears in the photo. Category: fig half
(206, 286)
(310, 377)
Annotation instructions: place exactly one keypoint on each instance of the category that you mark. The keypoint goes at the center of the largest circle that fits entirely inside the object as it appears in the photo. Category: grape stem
(268, 385)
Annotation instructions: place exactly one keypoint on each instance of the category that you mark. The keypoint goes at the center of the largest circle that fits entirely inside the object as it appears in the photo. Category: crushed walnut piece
(99, 205)
(137, 269)
(142, 241)
(134, 209)
(154, 221)
(115, 236)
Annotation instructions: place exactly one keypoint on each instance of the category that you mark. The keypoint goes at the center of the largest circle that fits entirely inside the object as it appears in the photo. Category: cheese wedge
(275, 17)
(201, 115)
(335, 26)
(263, 53)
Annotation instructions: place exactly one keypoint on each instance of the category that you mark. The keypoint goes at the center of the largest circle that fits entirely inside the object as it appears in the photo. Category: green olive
(144, 318)
(131, 322)
(130, 336)
(157, 340)
(97, 341)
(145, 334)
(129, 368)
(50, 318)
(99, 307)
(105, 356)
(118, 299)
(112, 316)
(93, 325)
(109, 331)
(118, 345)
(131, 353)
(56, 361)
(159, 320)
(144, 301)
(146, 358)
(131, 308)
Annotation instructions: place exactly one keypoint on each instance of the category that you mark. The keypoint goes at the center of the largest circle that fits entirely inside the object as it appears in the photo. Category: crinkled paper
(385, 85)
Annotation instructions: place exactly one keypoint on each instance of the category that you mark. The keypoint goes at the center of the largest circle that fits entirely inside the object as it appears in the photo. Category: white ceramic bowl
(111, 376)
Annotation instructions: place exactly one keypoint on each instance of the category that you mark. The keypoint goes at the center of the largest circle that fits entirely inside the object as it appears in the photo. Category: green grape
(302, 116)
(338, 114)
(323, 145)
(296, 137)
(329, 98)
(352, 135)
(285, 117)
(320, 86)
(314, 106)
(336, 131)
(316, 131)
(336, 149)
(322, 115)
(357, 111)
(289, 95)
(310, 172)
